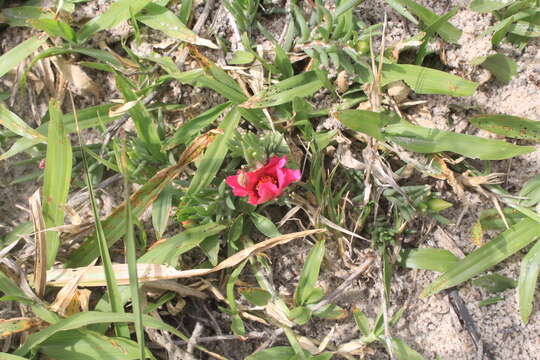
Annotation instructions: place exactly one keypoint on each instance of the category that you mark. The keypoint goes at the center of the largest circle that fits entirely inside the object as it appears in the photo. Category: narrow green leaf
(256, 296)
(241, 57)
(168, 251)
(193, 126)
(19, 15)
(528, 277)
(87, 344)
(16, 55)
(433, 259)
(264, 225)
(428, 81)
(428, 140)
(14, 123)
(144, 121)
(402, 10)
(402, 351)
(488, 5)
(6, 356)
(310, 273)
(54, 28)
(346, 5)
(119, 11)
(509, 126)
(113, 291)
(88, 117)
(278, 352)
(492, 253)
(501, 66)
(368, 122)
(495, 283)
(215, 154)
(57, 179)
(531, 190)
(162, 19)
(80, 320)
(362, 322)
(301, 85)
(447, 31)
(131, 252)
(238, 325)
(160, 211)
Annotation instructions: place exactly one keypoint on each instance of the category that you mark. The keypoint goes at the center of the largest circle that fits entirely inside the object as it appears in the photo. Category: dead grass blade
(40, 257)
(66, 295)
(95, 276)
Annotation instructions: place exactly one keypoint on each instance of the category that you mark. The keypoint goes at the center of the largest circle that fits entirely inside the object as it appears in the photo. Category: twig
(211, 339)
(194, 337)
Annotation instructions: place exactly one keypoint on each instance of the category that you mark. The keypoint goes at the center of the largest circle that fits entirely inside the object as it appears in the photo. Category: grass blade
(162, 19)
(80, 320)
(114, 225)
(528, 276)
(428, 81)
(506, 244)
(168, 251)
(132, 259)
(433, 259)
(113, 291)
(509, 126)
(40, 258)
(14, 56)
(18, 126)
(214, 156)
(428, 140)
(57, 178)
(119, 11)
(285, 91)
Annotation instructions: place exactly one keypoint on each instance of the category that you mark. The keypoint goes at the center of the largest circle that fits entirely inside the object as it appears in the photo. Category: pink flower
(265, 183)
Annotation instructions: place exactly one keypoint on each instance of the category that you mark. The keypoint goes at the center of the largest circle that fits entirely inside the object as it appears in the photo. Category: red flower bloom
(265, 183)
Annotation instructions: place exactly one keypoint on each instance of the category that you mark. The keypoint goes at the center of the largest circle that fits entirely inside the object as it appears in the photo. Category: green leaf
(6, 356)
(489, 255)
(215, 154)
(285, 91)
(16, 55)
(346, 5)
(428, 140)
(509, 126)
(144, 121)
(80, 320)
(278, 352)
(264, 225)
(362, 322)
(531, 190)
(256, 296)
(88, 117)
(447, 31)
(241, 57)
(72, 344)
(57, 179)
(310, 273)
(119, 11)
(368, 122)
(402, 10)
(490, 219)
(501, 66)
(428, 81)
(168, 251)
(300, 315)
(14, 123)
(490, 301)
(162, 19)
(495, 283)
(237, 324)
(433, 259)
(528, 277)
(403, 351)
(193, 126)
(160, 211)
(488, 5)
(54, 28)
(18, 16)
(210, 247)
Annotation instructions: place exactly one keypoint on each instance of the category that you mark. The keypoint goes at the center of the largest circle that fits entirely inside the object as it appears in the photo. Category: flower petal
(291, 175)
(267, 191)
(238, 189)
